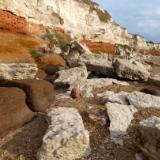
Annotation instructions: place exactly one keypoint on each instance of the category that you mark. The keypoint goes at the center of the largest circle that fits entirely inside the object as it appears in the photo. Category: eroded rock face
(66, 137)
(132, 70)
(15, 71)
(13, 111)
(89, 20)
(148, 137)
(154, 80)
(120, 118)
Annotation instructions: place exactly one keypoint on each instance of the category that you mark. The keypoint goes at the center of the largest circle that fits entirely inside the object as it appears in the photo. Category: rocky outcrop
(132, 70)
(154, 80)
(13, 71)
(66, 137)
(120, 118)
(13, 111)
(148, 137)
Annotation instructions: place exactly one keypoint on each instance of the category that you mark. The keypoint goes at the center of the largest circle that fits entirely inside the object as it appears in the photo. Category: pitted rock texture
(132, 70)
(66, 137)
(15, 71)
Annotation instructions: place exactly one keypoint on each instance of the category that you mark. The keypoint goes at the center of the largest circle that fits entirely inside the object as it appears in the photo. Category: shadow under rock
(29, 140)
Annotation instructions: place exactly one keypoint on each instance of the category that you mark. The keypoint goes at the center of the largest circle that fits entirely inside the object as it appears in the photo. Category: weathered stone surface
(13, 110)
(112, 97)
(120, 118)
(142, 100)
(66, 137)
(40, 93)
(131, 70)
(88, 85)
(148, 137)
(137, 99)
(98, 63)
(70, 76)
(12, 71)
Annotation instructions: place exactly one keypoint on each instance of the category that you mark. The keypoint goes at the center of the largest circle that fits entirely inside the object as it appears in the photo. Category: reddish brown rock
(12, 22)
(76, 93)
(100, 47)
(40, 93)
(97, 116)
(13, 110)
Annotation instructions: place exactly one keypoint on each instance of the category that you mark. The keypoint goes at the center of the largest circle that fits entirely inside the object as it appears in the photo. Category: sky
(138, 16)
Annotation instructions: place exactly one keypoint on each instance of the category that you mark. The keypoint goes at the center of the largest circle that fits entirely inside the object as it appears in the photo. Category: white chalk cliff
(82, 18)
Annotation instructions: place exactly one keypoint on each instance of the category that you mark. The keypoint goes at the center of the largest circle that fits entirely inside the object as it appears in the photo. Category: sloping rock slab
(154, 80)
(15, 71)
(132, 70)
(66, 137)
(148, 138)
(142, 100)
(13, 111)
(120, 118)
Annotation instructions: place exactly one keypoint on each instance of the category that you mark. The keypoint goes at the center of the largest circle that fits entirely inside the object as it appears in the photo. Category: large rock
(88, 85)
(13, 110)
(98, 63)
(71, 76)
(148, 137)
(66, 137)
(40, 93)
(120, 118)
(132, 70)
(13, 71)
(142, 100)
(137, 99)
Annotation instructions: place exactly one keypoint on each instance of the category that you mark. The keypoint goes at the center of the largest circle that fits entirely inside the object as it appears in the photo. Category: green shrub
(56, 38)
(36, 54)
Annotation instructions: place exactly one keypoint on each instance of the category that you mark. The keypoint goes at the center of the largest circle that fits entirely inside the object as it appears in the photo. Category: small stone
(76, 93)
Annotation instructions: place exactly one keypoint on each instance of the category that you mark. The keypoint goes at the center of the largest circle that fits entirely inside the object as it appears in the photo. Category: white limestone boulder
(110, 96)
(66, 137)
(132, 70)
(98, 63)
(120, 118)
(70, 76)
(142, 100)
